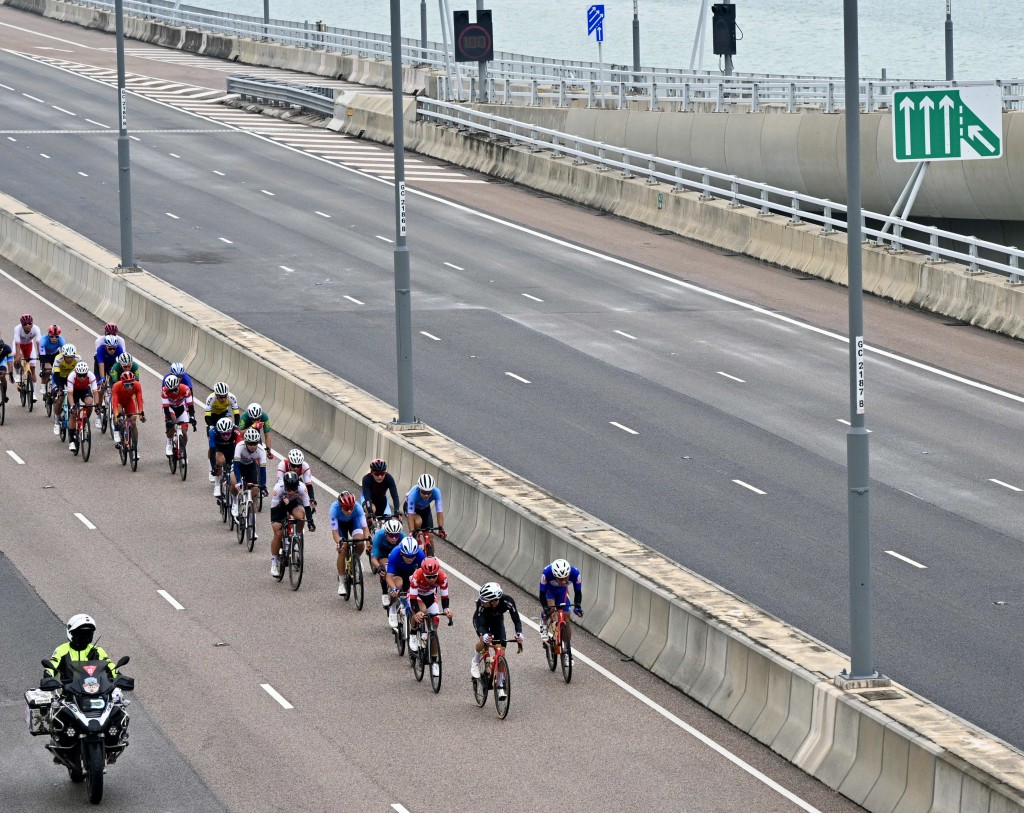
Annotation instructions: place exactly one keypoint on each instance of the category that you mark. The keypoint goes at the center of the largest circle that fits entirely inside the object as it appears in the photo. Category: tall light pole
(124, 167)
(636, 44)
(949, 40)
(403, 292)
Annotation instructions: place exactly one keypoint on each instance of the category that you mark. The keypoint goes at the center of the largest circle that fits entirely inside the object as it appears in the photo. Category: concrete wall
(888, 752)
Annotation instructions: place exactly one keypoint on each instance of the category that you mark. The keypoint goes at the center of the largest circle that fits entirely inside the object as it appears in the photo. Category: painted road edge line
(276, 695)
(15, 458)
(85, 521)
(171, 600)
(906, 559)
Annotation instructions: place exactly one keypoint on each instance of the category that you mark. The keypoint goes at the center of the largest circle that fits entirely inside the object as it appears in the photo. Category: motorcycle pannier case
(37, 711)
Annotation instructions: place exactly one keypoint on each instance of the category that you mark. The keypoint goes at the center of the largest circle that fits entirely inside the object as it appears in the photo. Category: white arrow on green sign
(947, 124)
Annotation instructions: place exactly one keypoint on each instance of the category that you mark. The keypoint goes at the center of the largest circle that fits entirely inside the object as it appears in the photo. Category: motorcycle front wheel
(93, 752)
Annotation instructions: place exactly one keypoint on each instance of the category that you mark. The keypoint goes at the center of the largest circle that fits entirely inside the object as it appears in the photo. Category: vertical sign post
(595, 26)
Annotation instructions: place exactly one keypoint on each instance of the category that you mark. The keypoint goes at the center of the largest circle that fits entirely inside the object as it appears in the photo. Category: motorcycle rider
(79, 648)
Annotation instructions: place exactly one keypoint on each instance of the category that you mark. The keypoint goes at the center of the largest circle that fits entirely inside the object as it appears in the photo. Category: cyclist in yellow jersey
(219, 403)
(63, 366)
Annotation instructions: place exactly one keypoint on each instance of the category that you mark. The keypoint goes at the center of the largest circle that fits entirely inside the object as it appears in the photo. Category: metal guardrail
(978, 256)
(315, 99)
(514, 78)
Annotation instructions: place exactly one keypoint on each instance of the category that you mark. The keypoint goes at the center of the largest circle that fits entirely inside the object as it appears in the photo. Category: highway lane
(359, 723)
(796, 536)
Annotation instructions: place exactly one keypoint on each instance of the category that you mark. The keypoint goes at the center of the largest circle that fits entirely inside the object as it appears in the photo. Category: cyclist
(403, 561)
(377, 485)
(491, 605)
(178, 369)
(176, 400)
(82, 385)
(219, 402)
(125, 364)
(425, 585)
(106, 358)
(224, 438)
(254, 416)
(417, 506)
(554, 591)
(63, 366)
(6, 368)
(126, 398)
(110, 329)
(348, 522)
(296, 462)
(384, 541)
(248, 457)
(290, 497)
(48, 349)
(26, 339)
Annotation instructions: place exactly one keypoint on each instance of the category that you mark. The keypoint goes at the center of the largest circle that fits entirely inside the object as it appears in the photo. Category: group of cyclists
(240, 441)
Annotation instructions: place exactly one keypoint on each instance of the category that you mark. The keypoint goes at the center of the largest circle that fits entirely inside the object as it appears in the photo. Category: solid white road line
(430, 335)
(85, 521)
(171, 600)
(172, 216)
(267, 192)
(516, 377)
(43, 155)
(385, 239)
(1004, 485)
(623, 428)
(903, 558)
(322, 214)
(218, 172)
(457, 268)
(623, 333)
(276, 695)
(734, 378)
(534, 298)
(173, 155)
(83, 174)
(747, 485)
(352, 299)
(15, 458)
(225, 240)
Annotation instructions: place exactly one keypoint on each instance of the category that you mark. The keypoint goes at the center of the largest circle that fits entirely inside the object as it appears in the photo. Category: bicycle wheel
(3, 407)
(22, 390)
(566, 656)
(282, 560)
(47, 403)
(419, 657)
(133, 453)
(402, 633)
(104, 411)
(356, 585)
(86, 441)
(250, 525)
(259, 502)
(502, 679)
(480, 689)
(64, 428)
(295, 562)
(239, 522)
(172, 458)
(550, 654)
(122, 450)
(223, 501)
(434, 659)
(183, 463)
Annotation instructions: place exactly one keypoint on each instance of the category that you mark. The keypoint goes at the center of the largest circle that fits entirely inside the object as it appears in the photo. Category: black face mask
(80, 639)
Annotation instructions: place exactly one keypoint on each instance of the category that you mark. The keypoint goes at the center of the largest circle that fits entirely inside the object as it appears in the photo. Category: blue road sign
(595, 22)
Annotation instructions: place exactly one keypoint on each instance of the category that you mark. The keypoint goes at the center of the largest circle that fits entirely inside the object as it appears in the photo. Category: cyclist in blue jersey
(178, 369)
(384, 541)
(417, 506)
(106, 358)
(348, 522)
(403, 561)
(6, 368)
(554, 591)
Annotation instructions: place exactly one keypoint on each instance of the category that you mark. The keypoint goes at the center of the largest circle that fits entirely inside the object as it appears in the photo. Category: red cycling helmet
(347, 500)
(110, 329)
(53, 330)
(128, 377)
(26, 319)
(430, 567)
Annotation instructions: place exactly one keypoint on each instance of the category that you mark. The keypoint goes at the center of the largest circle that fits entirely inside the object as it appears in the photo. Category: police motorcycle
(86, 718)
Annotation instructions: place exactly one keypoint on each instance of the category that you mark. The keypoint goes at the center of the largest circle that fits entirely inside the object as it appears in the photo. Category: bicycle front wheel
(419, 657)
(401, 634)
(250, 524)
(551, 654)
(86, 441)
(133, 452)
(480, 691)
(122, 450)
(183, 464)
(47, 402)
(172, 458)
(239, 521)
(282, 559)
(357, 582)
(434, 652)
(502, 687)
(31, 395)
(295, 562)
(3, 408)
(566, 656)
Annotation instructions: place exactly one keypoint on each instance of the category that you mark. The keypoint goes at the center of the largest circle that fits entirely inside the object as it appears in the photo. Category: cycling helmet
(393, 527)
(254, 410)
(110, 329)
(225, 425)
(560, 569)
(490, 592)
(178, 368)
(68, 351)
(378, 465)
(110, 341)
(128, 377)
(347, 500)
(291, 481)
(296, 457)
(82, 368)
(125, 360)
(410, 546)
(252, 435)
(172, 382)
(53, 330)
(221, 388)
(425, 483)
(26, 319)
(80, 623)
(430, 567)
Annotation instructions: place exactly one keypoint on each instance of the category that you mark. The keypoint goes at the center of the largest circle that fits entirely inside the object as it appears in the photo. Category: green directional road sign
(947, 124)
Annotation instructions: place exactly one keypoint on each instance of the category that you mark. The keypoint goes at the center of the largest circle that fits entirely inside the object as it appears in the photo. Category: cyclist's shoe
(414, 642)
(393, 617)
(99, 422)
(342, 585)
(56, 429)
(212, 476)
(169, 449)
(474, 669)
(275, 569)
(216, 487)
(502, 694)
(72, 446)
(386, 601)
(435, 669)
(234, 508)
(312, 526)
(35, 399)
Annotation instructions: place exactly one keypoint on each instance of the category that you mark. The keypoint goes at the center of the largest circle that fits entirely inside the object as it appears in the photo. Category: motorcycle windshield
(90, 679)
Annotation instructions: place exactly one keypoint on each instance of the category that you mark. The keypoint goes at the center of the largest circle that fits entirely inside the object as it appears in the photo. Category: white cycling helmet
(68, 351)
(490, 592)
(425, 483)
(80, 622)
(296, 457)
(110, 341)
(82, 368)
(252, 435)
(125, 360)
(178, 368)
(221, 388)
(410, 546)
(254, 410)
(172, 382)
(225, 425)
(561, 569)
(393, 526)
